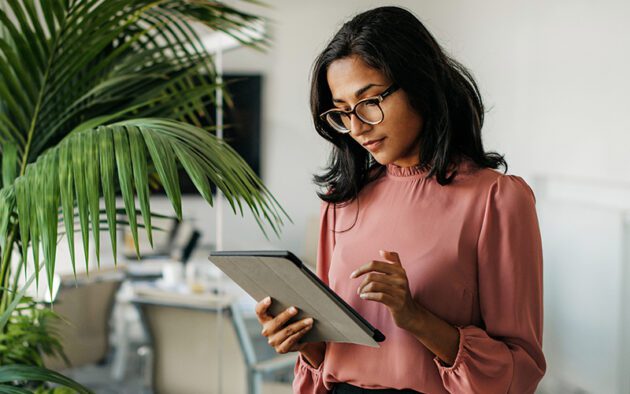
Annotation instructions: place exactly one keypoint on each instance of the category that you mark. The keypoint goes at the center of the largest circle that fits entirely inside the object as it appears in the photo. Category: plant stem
(31, 131)
(5, 265)
(40, 98)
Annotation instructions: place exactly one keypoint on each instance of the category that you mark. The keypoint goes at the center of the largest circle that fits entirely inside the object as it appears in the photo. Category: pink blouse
(472, 254)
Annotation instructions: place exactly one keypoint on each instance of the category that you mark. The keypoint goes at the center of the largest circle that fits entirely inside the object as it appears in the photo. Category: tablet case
(283, 277)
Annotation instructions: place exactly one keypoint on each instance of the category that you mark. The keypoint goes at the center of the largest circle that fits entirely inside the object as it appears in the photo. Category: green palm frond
(7, 207)
(119, 156)
(93, 58)
(98, 97)
(31, 373)
(9, 163)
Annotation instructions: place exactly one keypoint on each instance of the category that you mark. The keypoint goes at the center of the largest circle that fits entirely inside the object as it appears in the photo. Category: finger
(290, 343)
(376, 266)
(277, 322)
(380, 278)
(391, 257)
(261, 310)
(389, 288)
(383, 298)
(281, 336)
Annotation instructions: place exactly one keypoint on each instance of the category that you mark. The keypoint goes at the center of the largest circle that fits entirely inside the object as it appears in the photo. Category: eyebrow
(359, 92)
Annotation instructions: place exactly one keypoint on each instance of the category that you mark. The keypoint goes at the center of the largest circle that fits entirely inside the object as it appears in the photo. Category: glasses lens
(370, 112)
(338, 121)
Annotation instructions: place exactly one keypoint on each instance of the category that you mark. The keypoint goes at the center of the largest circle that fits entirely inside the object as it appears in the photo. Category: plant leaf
(10, 373)
(78, 157)
(6, 314)
(7, 203)
(120, 150)
(9, 163)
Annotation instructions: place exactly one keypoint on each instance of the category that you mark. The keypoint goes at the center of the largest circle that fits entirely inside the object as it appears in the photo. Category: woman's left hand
(386, 282)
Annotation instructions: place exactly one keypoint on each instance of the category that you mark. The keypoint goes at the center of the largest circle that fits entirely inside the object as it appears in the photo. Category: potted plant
(99, 98)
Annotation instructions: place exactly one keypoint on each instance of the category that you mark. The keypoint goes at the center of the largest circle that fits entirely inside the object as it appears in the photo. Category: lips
(366, 144)
(374, 145)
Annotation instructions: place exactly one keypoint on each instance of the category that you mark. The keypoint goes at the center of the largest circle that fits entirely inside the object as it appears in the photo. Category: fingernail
(292, 310)
(267, 300)
(352, 274)
(308, 321)
(358, 290)
(363, 295)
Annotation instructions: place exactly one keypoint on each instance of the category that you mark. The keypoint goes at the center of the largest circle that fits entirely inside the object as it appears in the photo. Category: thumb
(390, 256)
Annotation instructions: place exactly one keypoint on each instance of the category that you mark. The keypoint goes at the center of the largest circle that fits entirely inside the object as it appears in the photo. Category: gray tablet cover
(281, 275)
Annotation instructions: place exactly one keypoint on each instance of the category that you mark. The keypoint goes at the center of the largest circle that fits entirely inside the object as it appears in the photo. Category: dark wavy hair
(393, 41)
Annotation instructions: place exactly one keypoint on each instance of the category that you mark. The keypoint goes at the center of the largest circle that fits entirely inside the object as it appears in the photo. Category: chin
(382, 160)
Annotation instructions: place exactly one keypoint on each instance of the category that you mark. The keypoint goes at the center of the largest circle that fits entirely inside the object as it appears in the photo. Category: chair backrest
(196, 349)
(85, 308)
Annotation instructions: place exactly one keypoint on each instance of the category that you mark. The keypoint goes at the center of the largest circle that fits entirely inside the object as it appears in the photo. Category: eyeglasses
(367, 110)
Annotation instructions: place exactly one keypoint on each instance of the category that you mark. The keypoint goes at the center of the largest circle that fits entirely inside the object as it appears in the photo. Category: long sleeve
(504, 356)
(306, 378)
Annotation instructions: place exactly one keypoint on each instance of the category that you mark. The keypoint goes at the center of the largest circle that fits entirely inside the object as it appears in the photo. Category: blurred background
(553, 75)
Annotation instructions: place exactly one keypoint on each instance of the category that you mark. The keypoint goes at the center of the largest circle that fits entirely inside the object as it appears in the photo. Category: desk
(127, 324)
(201, 343)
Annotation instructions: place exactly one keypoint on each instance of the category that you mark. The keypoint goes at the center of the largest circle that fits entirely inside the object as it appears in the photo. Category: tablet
(283, 277)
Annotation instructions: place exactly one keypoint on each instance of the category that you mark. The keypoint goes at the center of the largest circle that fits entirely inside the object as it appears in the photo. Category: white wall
(586, 229)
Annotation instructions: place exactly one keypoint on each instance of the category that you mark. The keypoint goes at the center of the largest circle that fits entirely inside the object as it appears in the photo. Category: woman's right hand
(282, 337)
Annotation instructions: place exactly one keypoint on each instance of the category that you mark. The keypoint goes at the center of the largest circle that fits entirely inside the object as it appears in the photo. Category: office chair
(202, 347)
(85, 306)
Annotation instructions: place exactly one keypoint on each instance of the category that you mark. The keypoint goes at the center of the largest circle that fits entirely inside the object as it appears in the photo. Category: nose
(357, 126)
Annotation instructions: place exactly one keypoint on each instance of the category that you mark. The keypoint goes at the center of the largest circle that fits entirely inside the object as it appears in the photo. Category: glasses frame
(324, 116)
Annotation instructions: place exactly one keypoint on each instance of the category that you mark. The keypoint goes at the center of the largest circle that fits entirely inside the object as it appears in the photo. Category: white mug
(172, 273)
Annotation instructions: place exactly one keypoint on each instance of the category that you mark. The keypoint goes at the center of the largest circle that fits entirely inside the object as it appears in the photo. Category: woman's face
(351, 80)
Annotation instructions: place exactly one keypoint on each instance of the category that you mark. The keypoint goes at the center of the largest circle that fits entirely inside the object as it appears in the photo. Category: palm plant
(99, 98)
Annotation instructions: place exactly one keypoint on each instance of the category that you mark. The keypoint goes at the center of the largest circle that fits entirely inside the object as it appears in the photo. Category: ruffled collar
(396, 171)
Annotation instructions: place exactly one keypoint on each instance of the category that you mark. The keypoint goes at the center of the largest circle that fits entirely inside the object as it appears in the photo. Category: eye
(371, 103)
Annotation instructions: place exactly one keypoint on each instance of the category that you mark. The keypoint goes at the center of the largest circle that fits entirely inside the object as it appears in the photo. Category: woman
(419, 232)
